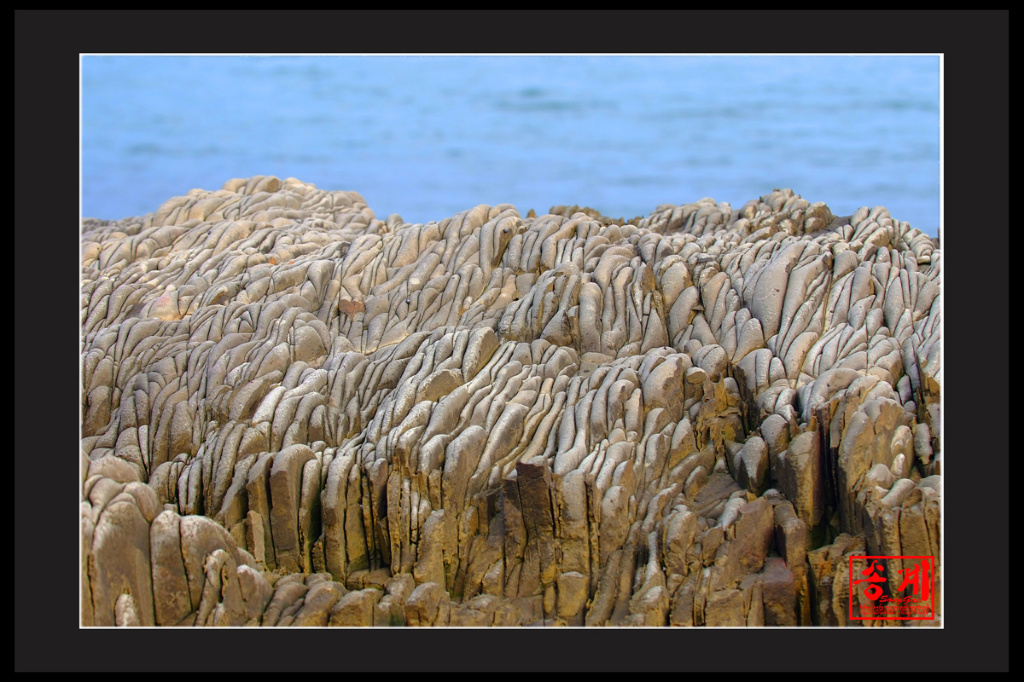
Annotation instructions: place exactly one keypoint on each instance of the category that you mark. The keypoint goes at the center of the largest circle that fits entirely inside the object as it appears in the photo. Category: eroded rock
(295, 413)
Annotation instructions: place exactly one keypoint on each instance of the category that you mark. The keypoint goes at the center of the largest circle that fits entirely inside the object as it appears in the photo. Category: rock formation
(294, 413)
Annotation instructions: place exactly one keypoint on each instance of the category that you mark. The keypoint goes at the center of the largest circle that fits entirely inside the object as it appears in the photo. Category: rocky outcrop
(294, 413)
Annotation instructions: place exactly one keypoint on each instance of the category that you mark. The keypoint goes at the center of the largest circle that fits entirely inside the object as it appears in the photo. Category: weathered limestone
(295, 413)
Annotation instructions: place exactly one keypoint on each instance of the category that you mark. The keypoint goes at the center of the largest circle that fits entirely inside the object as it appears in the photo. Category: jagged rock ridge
(294, 413)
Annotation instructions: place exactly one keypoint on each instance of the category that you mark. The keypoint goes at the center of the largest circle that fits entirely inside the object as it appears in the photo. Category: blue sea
(429, 136)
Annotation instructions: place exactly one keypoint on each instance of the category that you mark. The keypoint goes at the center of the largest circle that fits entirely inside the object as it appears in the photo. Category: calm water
(429, 136)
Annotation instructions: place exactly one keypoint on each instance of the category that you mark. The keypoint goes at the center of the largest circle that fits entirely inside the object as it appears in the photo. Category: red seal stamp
(892, 588)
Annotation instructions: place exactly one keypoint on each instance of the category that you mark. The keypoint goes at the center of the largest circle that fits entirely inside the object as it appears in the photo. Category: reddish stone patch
(351, 307)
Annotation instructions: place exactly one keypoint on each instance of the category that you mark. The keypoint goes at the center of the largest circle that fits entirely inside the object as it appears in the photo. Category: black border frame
(975, 45)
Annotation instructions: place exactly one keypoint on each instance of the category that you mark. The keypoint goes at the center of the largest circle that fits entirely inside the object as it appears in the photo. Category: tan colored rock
(119, 564)
(354, 609)
(285, 490)
(427, 605)
(501, 420)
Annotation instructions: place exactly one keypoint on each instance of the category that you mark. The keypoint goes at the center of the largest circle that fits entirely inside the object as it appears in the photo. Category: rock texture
(294, 413)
